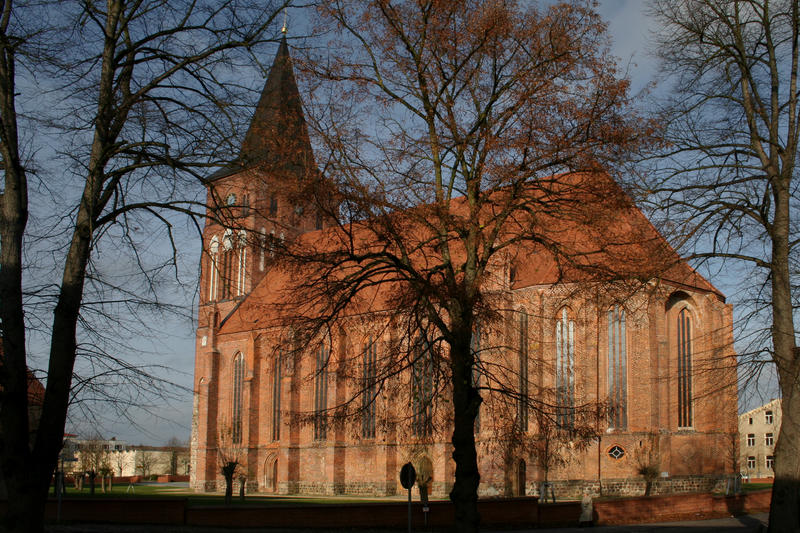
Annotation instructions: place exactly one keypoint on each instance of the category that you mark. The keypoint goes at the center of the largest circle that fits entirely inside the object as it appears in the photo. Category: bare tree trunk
(466, 402)
(785, 505)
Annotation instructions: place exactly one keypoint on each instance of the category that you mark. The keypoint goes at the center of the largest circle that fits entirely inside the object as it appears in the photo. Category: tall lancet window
(241, 271)
(476, 370)
(262, 250)
(370, 390)
(565, 370)
(213, 269)
(522, 402)
(321, 391)
(617, 368)
(684, 331)
(226, 271)
(276, 395)
(238, 391)
(422, 392)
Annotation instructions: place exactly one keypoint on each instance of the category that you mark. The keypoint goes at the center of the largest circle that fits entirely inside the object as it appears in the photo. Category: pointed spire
(277, 138)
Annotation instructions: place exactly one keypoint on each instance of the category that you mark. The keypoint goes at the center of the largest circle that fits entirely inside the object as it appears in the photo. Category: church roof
(277, 139)
(604, 238)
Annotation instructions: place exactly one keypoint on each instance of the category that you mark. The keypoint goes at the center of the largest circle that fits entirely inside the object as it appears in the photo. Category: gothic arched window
(617, 368)
(684, 344)
(241, 271)
(422, 392)
(276, 395)
(476, 370)
(522, 402)
(565, 369)
(369, 389)
(262, 249)
(321, 390)
(213, 269)
(238, 390)
(226, 272)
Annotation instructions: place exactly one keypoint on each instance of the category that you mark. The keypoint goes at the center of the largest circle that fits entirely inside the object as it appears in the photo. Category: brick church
(655, 356)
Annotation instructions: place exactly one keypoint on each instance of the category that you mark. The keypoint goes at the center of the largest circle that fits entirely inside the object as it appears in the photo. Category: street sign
(408, 476)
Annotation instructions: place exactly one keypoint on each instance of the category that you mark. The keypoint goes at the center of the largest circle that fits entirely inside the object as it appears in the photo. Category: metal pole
(409, 510)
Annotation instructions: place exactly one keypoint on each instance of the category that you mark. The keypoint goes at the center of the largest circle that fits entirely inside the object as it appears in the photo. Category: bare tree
(481, 106)
(232, 460)
(729, 181)
(178, 452)
(141, 97)
(119, 461)
(648, 460)
(94, 460)
(145, 461)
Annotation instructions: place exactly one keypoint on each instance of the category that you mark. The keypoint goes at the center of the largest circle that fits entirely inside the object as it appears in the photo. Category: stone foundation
(574, 489)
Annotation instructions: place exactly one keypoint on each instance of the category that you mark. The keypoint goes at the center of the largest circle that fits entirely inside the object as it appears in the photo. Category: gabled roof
(277, 139)
(604, 238)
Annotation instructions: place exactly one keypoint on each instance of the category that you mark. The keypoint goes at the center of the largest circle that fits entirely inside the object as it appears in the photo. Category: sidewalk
(748, 523)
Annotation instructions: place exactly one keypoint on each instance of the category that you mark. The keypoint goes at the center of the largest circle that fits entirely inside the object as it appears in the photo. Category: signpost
(407, 478)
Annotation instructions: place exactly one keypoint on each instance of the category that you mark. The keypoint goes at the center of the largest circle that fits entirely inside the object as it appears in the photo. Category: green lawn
(755, 486)
(167, 490)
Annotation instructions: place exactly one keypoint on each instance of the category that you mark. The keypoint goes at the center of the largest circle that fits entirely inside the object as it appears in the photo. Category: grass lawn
(747, 487)
(170, 490)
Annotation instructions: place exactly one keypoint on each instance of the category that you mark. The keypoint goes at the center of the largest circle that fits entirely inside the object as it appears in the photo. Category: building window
(272, 243)
(273, 205)
(684, 369)
(751, 462)
(751, 420)
(768, 417)
(262, 249)
(522, 402)
(238, 390)
(616, 452)
(242, 263)
(226, 273)
(751, 439)
(369, 392)
(318, 221)
(522, 477)
(422, 393)
(321, 391)
(770, 462)
(276, 396)
(245, 205)
(213, 270)
(617, 368)
(565, 370)
(769, 440)
(476, 371)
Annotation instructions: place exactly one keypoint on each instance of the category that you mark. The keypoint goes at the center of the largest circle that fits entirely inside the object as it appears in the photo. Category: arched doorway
(424, 467)
(522, 475)
(275, 475)
(271, 473)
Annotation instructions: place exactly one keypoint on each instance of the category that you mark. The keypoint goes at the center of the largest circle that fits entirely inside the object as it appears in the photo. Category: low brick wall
(689, 506)
(122, 511)
(574, 489)
(559, 514)
(169, 478)
(513, 513)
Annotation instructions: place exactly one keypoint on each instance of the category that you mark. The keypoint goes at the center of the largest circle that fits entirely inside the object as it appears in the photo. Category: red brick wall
(678, 507)
(526, 512)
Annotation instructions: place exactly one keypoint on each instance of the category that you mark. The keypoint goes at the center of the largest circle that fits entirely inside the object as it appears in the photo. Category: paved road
(755, 523)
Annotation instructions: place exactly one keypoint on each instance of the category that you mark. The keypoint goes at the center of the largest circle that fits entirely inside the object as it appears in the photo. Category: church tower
(257, 201)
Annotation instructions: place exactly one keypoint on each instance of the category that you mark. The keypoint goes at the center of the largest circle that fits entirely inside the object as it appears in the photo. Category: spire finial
(283, 30)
